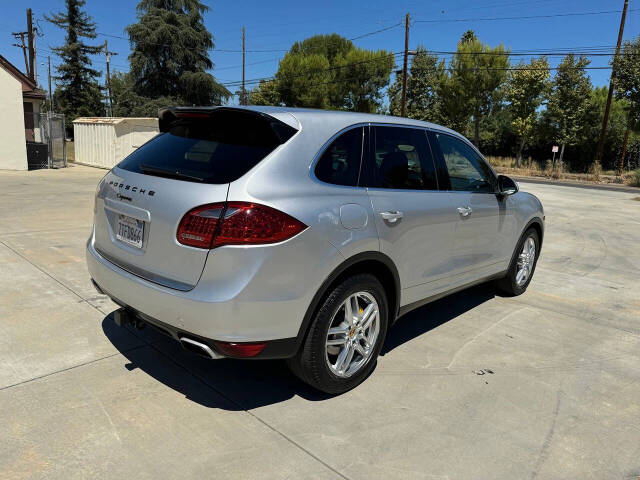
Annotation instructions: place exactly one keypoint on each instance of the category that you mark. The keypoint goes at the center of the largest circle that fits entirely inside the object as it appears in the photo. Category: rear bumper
(254, 311)
(280, 348)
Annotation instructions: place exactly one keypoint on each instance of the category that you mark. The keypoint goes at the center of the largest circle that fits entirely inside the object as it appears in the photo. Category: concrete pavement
(545, 385)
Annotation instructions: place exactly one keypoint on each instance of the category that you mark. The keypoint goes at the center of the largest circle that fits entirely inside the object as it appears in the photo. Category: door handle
(465, 211)
(392, 216)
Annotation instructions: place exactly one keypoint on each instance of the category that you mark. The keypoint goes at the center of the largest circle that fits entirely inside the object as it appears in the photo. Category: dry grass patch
(530, 168)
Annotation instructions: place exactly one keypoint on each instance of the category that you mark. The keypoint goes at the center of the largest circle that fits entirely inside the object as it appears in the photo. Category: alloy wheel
(526, 259)
(352, 335)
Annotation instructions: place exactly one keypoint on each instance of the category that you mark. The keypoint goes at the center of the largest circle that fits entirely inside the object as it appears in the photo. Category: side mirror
(507, 186)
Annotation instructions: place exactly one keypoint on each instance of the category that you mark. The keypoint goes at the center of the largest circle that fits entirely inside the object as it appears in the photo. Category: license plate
(130, 230)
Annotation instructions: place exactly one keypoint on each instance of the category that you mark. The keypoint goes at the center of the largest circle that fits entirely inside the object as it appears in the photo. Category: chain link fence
(45, 135)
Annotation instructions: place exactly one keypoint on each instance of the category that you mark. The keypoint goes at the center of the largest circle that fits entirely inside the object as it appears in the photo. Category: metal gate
(45, 135)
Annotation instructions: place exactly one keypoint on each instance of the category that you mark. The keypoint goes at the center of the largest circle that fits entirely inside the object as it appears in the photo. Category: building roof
(117, 120)
(29, 87)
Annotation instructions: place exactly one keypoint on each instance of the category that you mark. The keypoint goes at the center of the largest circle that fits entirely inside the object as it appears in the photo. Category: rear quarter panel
(283, 181)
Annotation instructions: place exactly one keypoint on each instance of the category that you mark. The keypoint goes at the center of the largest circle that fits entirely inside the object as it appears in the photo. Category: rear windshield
(217, 149)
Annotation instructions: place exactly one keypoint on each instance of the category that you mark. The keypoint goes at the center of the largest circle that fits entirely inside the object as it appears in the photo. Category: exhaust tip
(199, 348)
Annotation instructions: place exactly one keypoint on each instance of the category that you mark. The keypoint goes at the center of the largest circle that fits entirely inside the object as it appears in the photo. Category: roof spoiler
(168, 115)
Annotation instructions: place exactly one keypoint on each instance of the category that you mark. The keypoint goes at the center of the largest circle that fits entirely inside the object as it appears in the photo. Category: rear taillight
(236, 223)
(240, 350)
(198, 226)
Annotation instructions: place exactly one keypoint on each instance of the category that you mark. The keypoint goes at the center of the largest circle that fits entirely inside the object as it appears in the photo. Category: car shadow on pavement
(248, 384)
(432, 315)
(225, 384)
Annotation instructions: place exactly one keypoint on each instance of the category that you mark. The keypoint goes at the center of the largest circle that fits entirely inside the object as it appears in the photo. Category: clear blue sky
(277, 24)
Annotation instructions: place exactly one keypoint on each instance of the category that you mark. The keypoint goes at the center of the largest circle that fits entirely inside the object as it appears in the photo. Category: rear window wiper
(169, 173)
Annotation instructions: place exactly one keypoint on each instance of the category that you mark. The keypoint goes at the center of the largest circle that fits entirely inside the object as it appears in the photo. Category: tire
(510, 285)
(316, 362)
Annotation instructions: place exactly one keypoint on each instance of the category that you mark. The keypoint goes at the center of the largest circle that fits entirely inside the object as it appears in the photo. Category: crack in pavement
(6, 387)
(544, 451)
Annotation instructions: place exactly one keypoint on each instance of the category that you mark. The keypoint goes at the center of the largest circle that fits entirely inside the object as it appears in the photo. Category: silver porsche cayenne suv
(264, 232)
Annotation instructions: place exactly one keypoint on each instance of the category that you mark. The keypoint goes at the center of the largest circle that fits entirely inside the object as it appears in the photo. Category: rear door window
(218, 147)
(401, 159)
(340, 162)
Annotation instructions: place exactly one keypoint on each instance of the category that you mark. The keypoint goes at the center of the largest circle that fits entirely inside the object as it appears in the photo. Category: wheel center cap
(352, 333)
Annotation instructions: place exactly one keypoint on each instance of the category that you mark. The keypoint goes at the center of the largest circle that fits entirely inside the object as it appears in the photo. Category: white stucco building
(20, 99)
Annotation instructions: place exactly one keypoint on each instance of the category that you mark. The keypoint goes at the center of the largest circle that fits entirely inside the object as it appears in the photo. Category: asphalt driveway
(474, 386)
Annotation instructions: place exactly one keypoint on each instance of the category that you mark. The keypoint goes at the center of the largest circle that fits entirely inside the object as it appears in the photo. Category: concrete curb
(566, 183)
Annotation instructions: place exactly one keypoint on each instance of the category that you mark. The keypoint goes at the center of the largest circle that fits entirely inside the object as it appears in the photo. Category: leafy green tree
(425, 77)
(127, 103)
(362, 76)
(569, 99)
(496, 133)
(627, 84)
(477, 73)
(328, 71)
(170, 55)
(78, 93)
(265, 93)
(589, 134)
(526, 89)
(454, 104)
(304, 80)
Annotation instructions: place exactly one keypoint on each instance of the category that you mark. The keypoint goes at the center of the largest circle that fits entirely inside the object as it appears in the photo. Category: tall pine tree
(527, 87)
(569, 100)
(426, 74)
(170, 55)
(474, 87)
(78, 93)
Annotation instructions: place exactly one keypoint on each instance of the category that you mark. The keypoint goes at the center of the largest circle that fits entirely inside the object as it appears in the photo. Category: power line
(230, 50)
(453, 70)
(518, 54)
(102, 62)
(376, 31)
(247, 64)
(361, 78)
(287, 50)
(318, 71)
(527, 17)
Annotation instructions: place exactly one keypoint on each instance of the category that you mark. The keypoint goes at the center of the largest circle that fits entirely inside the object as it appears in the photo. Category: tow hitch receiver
(122, 316)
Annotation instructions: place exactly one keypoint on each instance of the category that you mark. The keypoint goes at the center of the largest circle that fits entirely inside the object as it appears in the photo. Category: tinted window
(467, 170)
(217, 149)
(340, 162)
(401, 159)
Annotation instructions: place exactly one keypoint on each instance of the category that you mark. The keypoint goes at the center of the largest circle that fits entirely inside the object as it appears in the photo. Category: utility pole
(30, 40)
(108, 54)
(243, 97)
(607, 108)
(35, 56)
(403, 104)
(50, 91)
(20, 35)
(28, 48)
